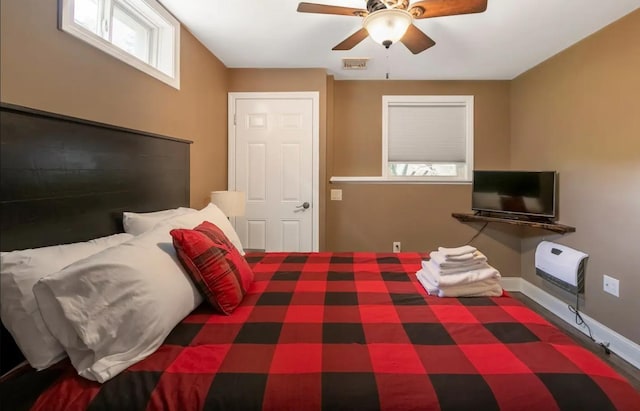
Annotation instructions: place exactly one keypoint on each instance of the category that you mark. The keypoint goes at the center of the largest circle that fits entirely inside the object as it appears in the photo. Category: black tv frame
(519, 215)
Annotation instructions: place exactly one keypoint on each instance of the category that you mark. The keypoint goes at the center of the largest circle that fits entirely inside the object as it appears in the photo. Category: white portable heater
(561, 265)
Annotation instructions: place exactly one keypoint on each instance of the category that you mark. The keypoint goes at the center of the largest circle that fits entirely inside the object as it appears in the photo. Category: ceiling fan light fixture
(387, 26)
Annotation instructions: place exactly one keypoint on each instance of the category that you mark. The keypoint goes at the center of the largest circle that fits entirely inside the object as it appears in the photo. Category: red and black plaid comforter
(348, 331)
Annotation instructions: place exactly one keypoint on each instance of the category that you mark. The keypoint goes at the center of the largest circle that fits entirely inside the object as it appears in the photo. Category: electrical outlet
(397, 247)
(336, 194)
(611, 285)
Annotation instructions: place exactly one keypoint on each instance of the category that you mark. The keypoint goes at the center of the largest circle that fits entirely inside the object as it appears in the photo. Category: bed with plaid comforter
(346, 331)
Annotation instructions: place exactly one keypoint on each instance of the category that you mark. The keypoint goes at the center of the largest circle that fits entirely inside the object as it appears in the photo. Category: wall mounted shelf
(555, 227)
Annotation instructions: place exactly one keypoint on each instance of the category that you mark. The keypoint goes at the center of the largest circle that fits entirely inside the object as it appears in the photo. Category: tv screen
(525, 193)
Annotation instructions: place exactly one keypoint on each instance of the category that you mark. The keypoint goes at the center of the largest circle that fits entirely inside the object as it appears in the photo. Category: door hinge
(234, 119)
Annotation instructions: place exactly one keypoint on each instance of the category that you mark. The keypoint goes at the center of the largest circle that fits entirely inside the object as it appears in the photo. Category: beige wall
(579, 113)
(276, 80)
(358, 121)
(371, 216)
(47, 69)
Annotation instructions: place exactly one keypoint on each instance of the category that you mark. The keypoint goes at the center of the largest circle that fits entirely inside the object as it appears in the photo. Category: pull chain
(388, 69)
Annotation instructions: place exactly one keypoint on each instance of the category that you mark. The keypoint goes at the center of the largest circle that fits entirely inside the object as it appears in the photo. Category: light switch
(336, 194)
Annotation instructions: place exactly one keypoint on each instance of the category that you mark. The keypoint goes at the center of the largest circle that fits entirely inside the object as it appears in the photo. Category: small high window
(427, 138)
(139, 32)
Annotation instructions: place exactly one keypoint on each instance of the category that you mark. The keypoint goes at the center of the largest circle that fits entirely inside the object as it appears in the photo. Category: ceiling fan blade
(326, 9)
(436, 8)
(351, 41)
(416, 41)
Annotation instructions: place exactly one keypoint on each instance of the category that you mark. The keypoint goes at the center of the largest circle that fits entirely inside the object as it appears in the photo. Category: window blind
(427, 133)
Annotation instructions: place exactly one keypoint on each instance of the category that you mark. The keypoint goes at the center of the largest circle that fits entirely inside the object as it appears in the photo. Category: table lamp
(231, 203)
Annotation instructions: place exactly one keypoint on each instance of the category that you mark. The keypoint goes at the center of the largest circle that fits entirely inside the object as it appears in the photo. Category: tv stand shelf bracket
(557, 228)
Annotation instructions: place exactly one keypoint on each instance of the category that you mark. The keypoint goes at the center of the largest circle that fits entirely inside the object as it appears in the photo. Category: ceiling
(510, 37)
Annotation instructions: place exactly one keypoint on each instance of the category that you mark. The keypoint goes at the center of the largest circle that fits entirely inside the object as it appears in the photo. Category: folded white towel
(449, 267)
(463, 257)
(459, 269)
(447, 252)
(430, 273)
(422, 279)
(487, 288)
(454, 280)
(443, 262)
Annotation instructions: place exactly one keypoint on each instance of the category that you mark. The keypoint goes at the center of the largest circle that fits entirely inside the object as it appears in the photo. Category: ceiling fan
(389, 21)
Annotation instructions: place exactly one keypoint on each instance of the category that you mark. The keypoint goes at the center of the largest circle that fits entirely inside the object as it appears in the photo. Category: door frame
(314, 96)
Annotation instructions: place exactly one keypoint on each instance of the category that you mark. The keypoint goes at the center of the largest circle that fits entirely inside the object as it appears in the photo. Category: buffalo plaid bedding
(346, 331)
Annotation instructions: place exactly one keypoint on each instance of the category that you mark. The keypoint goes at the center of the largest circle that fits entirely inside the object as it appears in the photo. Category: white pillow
(213, 214)
(138, 223)
(115, 308)
(19, 271)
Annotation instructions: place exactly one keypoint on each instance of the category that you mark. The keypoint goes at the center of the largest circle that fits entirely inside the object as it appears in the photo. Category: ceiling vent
(355, 64)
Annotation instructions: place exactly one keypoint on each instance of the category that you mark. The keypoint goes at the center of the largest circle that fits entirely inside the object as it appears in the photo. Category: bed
(333, 331)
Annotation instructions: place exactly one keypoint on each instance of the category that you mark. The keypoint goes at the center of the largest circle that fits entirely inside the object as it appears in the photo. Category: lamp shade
(231, 203)
(388, 25)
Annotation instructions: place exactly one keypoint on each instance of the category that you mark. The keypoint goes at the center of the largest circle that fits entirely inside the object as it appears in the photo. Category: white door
(272, 141)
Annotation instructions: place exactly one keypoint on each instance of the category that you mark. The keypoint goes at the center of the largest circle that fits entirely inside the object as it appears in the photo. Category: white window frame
(466, 175)
(165, 36)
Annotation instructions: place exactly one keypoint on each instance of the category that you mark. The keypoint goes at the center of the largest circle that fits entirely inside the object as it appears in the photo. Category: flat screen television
(515, 194)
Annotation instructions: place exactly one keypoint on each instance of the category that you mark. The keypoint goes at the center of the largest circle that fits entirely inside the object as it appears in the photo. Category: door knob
(304, 205)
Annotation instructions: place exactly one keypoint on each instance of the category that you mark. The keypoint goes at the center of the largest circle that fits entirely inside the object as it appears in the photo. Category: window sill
(394, 180)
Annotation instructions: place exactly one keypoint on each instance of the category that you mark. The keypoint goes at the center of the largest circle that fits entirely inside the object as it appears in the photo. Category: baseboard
(622, 346)
(511, 283)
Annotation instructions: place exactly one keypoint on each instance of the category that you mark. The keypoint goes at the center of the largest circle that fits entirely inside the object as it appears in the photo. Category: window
(139, 32)
(427, 138)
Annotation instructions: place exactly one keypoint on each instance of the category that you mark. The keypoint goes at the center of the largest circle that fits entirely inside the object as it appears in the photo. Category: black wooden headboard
(65, 180)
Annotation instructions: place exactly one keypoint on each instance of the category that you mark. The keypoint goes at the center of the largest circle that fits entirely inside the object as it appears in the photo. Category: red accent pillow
(214, 264)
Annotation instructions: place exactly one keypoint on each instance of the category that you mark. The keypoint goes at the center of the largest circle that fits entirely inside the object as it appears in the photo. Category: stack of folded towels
(459, 272)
